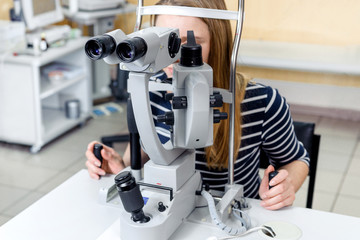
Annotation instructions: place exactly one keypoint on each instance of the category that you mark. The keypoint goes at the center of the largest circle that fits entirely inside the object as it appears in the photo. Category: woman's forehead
(183, 23)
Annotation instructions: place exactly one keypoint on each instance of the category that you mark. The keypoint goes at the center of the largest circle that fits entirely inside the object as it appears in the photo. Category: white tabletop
(312, 223)
(72, 211)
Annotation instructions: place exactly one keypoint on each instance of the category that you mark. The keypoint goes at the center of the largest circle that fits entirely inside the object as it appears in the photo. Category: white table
(72, 211)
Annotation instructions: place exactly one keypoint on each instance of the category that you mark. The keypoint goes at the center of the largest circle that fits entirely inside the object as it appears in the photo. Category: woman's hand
(281, 194)
(112, 161)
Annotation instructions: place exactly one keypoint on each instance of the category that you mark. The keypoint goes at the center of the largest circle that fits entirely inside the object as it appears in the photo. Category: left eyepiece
(99, 47)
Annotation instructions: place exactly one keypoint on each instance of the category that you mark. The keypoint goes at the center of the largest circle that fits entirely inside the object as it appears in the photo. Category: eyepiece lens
(95, 49)
(127, 52)
(100, 47)
(131, 49)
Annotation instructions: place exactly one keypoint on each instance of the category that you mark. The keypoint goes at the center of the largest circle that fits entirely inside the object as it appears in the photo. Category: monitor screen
(43, 6)
(40, 13)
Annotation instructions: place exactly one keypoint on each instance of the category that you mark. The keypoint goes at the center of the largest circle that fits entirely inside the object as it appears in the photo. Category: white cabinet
(32, 109)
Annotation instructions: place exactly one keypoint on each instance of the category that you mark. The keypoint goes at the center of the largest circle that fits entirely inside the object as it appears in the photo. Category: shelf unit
(33, 108)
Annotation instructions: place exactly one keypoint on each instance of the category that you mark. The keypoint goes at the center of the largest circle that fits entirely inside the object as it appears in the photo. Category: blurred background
(308, 49)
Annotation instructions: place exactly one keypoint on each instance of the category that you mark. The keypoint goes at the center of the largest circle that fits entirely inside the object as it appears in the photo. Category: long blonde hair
(219, 59)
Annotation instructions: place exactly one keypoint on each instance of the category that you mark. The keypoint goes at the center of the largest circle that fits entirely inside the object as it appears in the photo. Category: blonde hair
(219, 60)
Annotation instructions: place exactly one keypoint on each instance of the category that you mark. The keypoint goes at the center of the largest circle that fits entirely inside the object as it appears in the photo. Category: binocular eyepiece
(127, 51)
(132, 49)
(100, 47)
(155, 46)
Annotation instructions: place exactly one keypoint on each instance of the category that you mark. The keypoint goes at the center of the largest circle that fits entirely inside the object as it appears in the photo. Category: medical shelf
(33, 108)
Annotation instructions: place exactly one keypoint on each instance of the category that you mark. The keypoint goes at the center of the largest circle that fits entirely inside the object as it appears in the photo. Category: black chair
(304, 133)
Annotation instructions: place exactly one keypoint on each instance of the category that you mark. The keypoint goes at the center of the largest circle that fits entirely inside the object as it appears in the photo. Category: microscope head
(148, 50)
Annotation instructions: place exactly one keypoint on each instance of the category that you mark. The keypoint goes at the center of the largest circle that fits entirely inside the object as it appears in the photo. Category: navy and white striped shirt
(267, 125)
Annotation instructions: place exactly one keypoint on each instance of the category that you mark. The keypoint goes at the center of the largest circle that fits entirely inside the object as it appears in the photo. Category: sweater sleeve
(279, 141)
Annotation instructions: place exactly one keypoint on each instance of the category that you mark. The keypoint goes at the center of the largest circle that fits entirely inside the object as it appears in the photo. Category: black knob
(179, 102)
(161, 207)
(167, 118)
(174, 44)
(218, 116)
(271, 176)
(216, 100)
(97, 152)
(191, 52)
(169, 96)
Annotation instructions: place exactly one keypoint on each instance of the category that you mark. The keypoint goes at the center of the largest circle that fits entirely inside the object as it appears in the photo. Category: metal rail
(232, 89)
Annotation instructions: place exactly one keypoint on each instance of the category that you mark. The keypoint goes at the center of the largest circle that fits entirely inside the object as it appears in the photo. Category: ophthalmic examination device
(154, 206)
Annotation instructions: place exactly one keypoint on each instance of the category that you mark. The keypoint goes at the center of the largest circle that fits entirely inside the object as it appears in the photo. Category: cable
(246, 224)
(217, 220)
(235, 232)
(244, 233)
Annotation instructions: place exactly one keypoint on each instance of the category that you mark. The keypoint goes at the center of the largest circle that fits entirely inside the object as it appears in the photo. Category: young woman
(262, 121)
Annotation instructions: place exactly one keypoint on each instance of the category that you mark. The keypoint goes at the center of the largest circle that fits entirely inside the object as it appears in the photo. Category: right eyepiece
(131, 49)
(99, 47)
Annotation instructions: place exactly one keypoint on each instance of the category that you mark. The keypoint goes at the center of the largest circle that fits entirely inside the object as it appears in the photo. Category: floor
(26, 177)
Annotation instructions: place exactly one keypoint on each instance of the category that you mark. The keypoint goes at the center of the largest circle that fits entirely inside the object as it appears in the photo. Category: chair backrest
(305, 133)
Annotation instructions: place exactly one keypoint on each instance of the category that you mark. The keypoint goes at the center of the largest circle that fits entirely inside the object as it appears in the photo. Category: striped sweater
(267, 125)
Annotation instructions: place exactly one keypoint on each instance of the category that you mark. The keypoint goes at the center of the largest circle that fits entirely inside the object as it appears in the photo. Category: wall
(5, 5)
(329, 22)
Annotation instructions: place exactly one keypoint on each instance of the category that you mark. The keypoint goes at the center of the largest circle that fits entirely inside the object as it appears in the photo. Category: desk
(102, 21)
(71, 211)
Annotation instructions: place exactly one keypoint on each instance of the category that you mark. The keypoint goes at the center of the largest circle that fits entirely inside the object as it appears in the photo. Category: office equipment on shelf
(91, 5)
(38, 16)
(35, 115)
(72, 108)
(68, 71)
(51, 33)
(12, 36)
(41, 13)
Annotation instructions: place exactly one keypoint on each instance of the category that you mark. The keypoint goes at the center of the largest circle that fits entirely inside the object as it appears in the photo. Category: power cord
(235, 232)
(217, 221)
(245, 223)
(254, 229)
